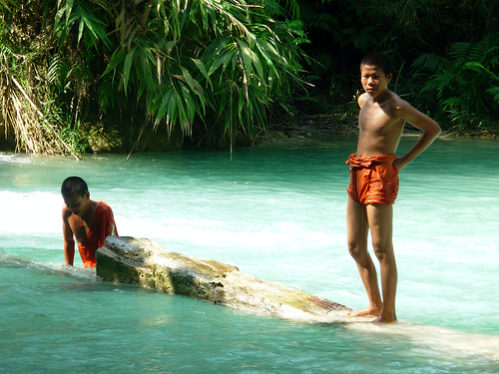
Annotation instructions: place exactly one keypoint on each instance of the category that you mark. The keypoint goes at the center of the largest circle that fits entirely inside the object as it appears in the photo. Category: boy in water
(374, 180)
(90, 222)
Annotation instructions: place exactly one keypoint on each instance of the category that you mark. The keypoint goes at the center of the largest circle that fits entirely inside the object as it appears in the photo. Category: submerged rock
(143, 262)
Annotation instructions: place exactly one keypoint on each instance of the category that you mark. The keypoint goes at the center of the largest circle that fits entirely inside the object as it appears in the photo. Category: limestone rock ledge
(143, 262)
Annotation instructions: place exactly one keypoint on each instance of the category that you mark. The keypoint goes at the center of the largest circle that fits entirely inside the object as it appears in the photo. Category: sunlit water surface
(277, 212)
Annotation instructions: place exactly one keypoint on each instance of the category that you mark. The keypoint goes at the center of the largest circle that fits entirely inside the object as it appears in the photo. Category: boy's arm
(69, 244)
(111, 224)
(430, 128)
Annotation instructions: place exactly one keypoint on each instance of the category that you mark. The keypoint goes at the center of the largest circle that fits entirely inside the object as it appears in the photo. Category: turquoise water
(277, 212)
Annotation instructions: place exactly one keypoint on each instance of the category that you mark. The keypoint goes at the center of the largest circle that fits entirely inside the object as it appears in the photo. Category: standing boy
(90, 222)
(374, 180)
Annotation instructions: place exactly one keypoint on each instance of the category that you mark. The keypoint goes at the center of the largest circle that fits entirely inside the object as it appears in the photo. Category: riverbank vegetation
(93, 75)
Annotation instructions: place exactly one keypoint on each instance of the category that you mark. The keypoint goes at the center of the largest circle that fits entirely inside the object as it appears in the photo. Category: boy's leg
(380, 219)
(357, 229)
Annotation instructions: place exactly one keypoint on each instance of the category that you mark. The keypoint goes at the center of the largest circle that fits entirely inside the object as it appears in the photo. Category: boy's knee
(380, 254)
(356, 250)
(382, 250)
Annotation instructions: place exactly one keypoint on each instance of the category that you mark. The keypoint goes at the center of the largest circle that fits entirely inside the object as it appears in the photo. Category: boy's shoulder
(362, 98)
(398, 105)
(394, 102)
(104, 210)
(389, 99)
(103, 205)
(66, 212)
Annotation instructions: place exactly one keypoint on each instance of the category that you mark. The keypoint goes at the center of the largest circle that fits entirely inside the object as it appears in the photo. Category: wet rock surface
(140, 261)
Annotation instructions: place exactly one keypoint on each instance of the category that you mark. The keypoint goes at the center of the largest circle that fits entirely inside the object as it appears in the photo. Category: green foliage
(4, 4)
(463, 82)
(206, 68)
(71, 12)
(213, 70)
(29, 110)
(190, 61)
(342, 32)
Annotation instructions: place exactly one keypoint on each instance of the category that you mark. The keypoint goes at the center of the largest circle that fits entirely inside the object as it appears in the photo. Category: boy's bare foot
(385, 319)
(365, 313)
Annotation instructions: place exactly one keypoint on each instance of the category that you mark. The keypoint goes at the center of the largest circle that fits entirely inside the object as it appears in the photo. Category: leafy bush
(29, 108)
(188, 62)
(204, 68)
(463, 82)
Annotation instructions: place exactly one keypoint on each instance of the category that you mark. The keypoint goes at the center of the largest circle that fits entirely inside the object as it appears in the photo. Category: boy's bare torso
(379, 126)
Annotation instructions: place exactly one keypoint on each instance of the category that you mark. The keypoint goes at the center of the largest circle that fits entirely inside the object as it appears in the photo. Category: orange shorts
(373, 179)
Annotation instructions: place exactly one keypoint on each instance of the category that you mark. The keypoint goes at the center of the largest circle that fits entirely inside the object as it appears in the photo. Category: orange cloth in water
(373, 179)
(101, 227)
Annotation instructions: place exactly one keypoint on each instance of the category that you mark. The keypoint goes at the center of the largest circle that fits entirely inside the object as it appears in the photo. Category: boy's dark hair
(378, 59)
(73, 185)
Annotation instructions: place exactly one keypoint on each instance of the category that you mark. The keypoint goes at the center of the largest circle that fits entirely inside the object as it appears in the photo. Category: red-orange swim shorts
(373, 179)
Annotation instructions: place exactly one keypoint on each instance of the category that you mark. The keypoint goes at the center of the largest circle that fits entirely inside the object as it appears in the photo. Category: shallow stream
(274, 211)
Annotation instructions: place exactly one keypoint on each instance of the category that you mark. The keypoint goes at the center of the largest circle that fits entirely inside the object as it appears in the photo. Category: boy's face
(78, 204)
(373, 79)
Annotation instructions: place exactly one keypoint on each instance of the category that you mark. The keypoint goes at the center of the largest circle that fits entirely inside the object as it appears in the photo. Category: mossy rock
(145, 263)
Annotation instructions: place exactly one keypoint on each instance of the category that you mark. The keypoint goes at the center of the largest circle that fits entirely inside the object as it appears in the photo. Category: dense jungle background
(82, 76)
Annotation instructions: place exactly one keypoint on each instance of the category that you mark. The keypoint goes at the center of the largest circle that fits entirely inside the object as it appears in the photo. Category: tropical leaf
(461, 82)
(127, 65)
(430, 62)
(479, 68)
(202, 68)
(5, 4)
(70, 13)
(478, 51)
(459, 50)
(494, 92)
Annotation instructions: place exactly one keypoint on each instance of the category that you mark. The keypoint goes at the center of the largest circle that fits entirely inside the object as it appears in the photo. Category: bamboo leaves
(174, 63)
(69, 13)
(5, 4)
(30, 82)
(215, 62)
(127, 64)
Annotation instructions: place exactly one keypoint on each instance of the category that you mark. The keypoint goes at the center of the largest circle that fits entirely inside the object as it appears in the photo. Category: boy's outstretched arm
(430, 128)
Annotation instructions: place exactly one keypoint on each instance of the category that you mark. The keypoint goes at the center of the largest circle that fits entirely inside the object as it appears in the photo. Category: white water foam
(438, 339)
(9, 261)
(34, 212)
(15, 158)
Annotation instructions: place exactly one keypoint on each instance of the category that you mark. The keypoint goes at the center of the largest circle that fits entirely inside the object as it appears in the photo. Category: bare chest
(380, 130)
(375, 119)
